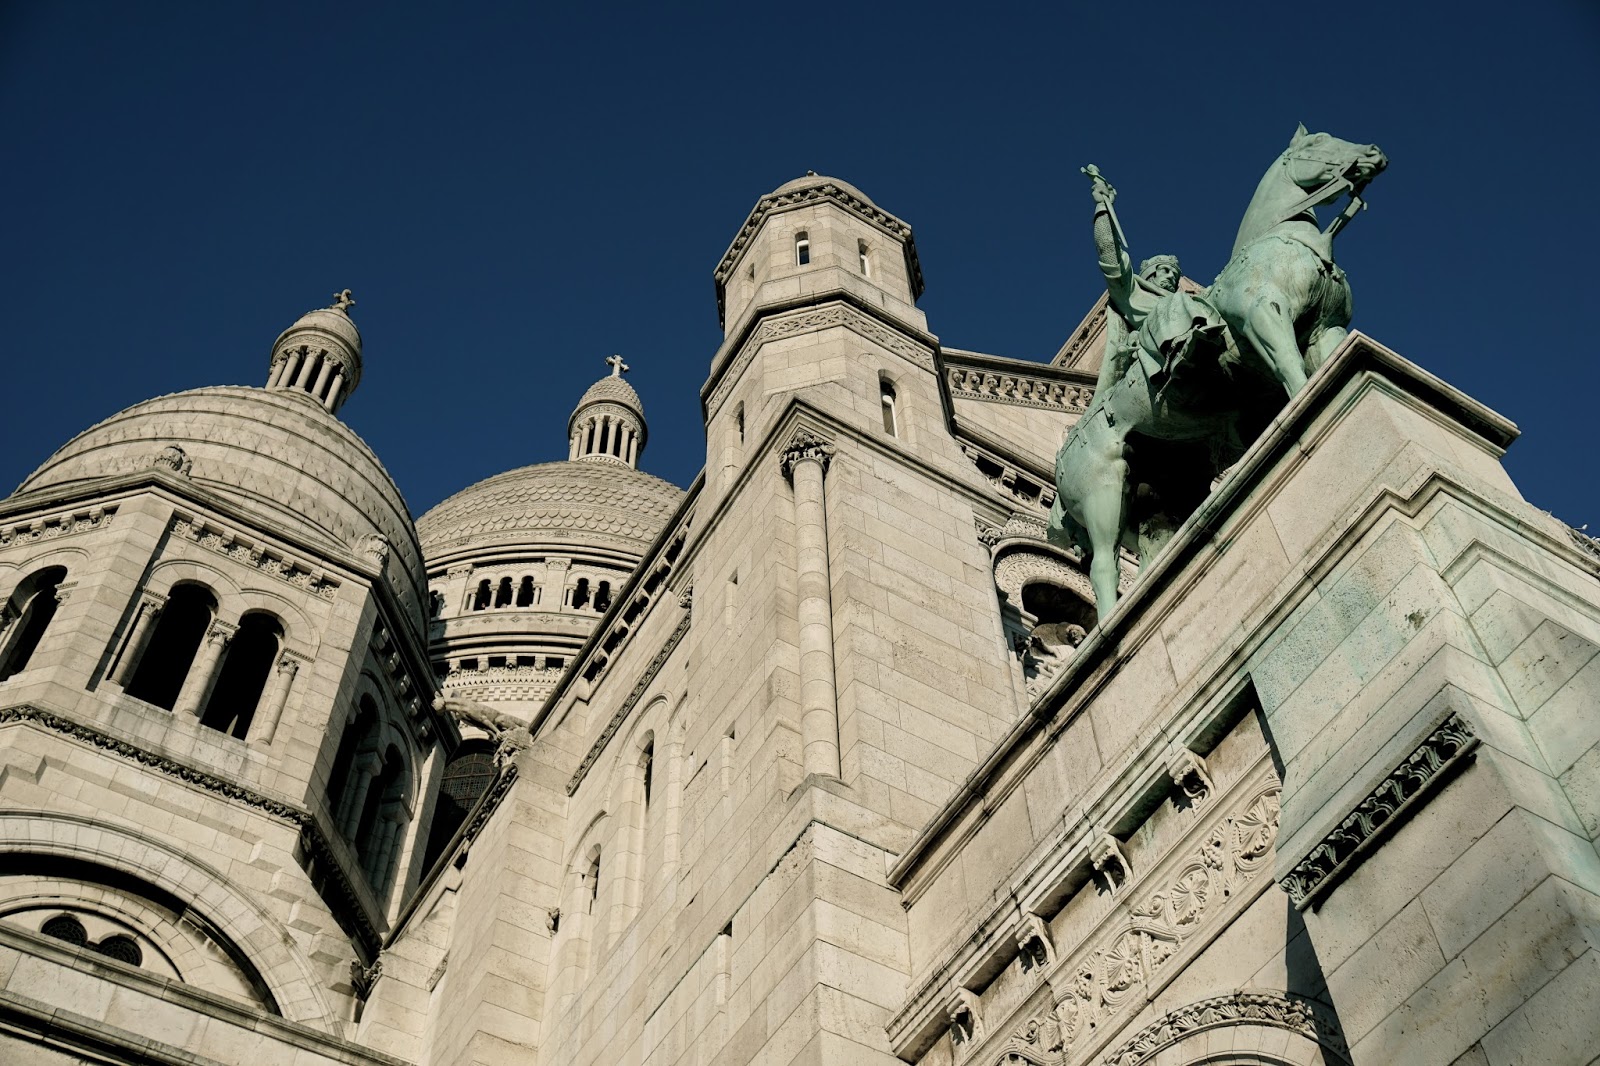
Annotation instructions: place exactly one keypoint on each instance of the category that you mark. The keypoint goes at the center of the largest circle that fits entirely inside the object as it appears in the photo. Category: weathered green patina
(1189, 378)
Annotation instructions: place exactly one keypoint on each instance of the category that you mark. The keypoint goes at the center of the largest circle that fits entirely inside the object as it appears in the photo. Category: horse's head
(1315, 159)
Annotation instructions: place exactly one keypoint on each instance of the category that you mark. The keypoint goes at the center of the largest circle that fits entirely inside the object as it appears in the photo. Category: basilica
(829, 757)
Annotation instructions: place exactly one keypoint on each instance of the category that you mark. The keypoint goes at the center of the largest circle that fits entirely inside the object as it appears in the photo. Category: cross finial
(343, 301)
(618, 367)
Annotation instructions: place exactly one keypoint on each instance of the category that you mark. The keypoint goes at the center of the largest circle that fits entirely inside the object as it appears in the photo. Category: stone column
(804, 462)
(149, 611)
(203, 671)
(331, 401)
(354, 798)
(291, 367)
(391, 825)
(323, 374)
(572, 448)
(304, 373)
(277, 372)
(633, 448)
(276, 699)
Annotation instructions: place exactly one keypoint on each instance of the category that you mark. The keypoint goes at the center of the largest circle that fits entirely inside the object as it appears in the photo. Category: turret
(320, 354)
(817, 235)
(608, 423)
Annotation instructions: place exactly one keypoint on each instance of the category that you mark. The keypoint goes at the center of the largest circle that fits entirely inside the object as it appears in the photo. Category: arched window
(377, 835)
(865, 258)
(435, 604)
(580, 594)
(887, 399)
(122, 948)
(359, 738)
(465, 779)
(602, 596)
(66, 927)
(502, 596)
(480, 599)
(525, 593)
(647, 763)
(32, 606)
(243, 677)
(802, 248)
(170, 652)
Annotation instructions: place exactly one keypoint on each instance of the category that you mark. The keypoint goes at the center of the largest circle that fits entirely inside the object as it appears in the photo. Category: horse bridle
(1339, 183)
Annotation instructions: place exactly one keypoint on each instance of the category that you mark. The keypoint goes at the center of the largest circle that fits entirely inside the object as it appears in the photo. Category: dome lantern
(320, 355)
(608, 423)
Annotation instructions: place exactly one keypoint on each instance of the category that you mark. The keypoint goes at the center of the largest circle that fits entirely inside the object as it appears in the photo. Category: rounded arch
(296, 626)
(1021, 566)
(27, 614)
(1257, 1021)
(170, 573)
(274, 955)
(58, 556)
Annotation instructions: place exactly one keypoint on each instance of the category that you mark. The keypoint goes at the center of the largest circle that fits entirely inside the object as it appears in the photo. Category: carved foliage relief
(1115, 968)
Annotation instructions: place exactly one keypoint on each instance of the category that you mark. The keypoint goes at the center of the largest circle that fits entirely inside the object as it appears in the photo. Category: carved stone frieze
(1113, 968)
(1420, 774)
(1019, 389)
(1017, 485)
(175, 459)
(57, 526)
(1274, 1009)
(240, 549)
(814, 321)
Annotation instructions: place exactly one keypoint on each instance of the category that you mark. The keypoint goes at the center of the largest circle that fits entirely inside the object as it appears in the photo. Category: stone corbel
(362, 978)
(1109, 861)
(1190, 773)
(966, 1018)
(1036, 949)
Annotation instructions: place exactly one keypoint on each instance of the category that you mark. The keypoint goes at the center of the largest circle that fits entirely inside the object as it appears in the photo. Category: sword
(1093, 173)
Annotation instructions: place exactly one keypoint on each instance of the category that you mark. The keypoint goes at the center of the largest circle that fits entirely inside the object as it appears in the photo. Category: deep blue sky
(515, 192)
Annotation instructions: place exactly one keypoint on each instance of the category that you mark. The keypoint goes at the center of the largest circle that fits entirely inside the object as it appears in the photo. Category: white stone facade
(821, 760)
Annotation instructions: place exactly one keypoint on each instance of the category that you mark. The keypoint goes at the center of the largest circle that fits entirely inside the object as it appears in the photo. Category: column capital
(220, 633)
(289, 665)
(805, 446)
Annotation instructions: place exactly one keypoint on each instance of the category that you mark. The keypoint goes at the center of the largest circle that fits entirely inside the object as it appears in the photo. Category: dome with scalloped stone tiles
(276, 453)
(587, 503)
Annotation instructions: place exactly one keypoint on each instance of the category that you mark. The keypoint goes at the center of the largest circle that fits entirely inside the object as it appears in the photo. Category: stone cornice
(646, 678)
(56, 526)
(1420, 774)
(809, 318)
(825, 192)
(994, 380)
(353, 913)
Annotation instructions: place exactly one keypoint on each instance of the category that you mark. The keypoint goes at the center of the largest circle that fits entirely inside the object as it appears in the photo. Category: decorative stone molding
(1016, 569)
(1114, 968)
(438, 971)
(240, 549)
(1190, 773)
(373, 549)
(966, 1018)
(1273, 1009)
(1018, 389)
(362, 978)
(813, 321)
(1018, 486)
(175, 459)
(646, 677)
(686, 599)
(1035, 947)
(804, 446)
(1407, 786)
(57, 526)
(319, 859)
(1109, 861)
(824, 192)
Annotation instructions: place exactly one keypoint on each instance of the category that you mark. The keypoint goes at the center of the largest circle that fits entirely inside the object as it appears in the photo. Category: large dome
(595, 504)
(276, 452)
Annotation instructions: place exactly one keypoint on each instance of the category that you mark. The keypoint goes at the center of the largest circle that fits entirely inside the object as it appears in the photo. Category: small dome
(277, 453)
(601, 505)
(608, 390)
(811, 181)
(325, 320)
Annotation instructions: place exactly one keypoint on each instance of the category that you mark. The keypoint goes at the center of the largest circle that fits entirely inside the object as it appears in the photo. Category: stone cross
(343, 301)
(618, 367)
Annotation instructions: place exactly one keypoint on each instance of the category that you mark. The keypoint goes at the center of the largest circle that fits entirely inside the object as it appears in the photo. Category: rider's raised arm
(1115, 263)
